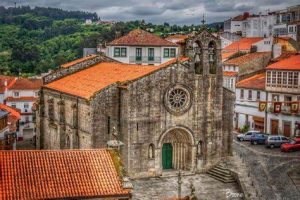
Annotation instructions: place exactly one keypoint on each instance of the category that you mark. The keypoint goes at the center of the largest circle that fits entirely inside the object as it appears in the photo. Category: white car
(246, 136)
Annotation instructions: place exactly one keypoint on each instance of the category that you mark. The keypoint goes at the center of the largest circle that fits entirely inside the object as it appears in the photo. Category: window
(273, 77)
(172, 53)
(250, 94)
(296, 77)
(258, 95)
(284, 78)
(242, 94)
(279, 77)
(138, 54)
(290, 78)
(27, 119)
(151, 54)
(123, 52)
(36, 94)
(116, 52)
(108, 125)
(13, 105)
(268, 77)
(275, 97)
(16, 94)
(166, 53)
(26, 105)
(287, 100)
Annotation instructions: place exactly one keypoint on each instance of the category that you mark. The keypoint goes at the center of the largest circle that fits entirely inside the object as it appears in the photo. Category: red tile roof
(230, 73)
(88, 82)
(13, 99)
(8, 79)
(290, 63)
(254, 82)
(246, 58)
(243, 44)
(177, 38)
(78, 61)
(11, 110)
(140, 37)
(26, 84)
(226, 55)
(59, 174)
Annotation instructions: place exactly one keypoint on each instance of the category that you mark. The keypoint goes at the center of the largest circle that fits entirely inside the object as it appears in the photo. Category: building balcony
(145, 59)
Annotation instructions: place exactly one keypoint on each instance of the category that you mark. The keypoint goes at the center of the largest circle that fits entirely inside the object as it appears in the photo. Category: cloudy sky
(159, 11)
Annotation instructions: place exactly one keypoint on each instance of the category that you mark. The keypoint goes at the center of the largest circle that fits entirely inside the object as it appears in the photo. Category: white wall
(264, 45)
(131, 53)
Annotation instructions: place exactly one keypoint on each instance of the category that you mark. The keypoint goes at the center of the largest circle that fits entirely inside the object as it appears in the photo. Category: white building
(141, 47)
(280, 84)
(235, 25)
(258, 26)
(21, 93)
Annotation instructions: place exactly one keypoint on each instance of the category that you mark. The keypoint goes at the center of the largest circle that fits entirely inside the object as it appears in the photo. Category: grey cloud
(159, 11)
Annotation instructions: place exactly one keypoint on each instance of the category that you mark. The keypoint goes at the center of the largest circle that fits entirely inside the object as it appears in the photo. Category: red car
(293, 145)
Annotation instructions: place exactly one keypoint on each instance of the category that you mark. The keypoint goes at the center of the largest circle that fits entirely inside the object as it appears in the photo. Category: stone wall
(70, 126)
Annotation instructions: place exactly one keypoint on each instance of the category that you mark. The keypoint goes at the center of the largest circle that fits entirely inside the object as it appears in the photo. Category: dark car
(292, 145)
(258, 138)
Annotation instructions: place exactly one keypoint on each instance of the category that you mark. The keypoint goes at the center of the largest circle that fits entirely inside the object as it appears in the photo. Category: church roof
(59, 174)
(140, 37)
(87, 82)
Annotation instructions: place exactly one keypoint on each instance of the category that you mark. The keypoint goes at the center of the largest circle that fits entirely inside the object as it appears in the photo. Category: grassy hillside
(35, 40)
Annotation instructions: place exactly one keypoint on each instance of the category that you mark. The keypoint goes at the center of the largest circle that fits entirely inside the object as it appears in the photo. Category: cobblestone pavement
(206, 187)
(269, 167)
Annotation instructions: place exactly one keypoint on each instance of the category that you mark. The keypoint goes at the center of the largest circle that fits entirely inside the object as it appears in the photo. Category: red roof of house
(229, 73)
(87, 82)
(241, 17)
(246, 58)
(13, 99)
(9, 81)
(290, 63)
(177, 38)
(140, 37)
(26, 84)
(11, 110)
(254, 82)
(226, 55)
(243, 44)
(60, 174)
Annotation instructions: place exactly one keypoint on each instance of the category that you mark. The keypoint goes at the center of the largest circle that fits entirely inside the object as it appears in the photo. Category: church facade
(173, 116)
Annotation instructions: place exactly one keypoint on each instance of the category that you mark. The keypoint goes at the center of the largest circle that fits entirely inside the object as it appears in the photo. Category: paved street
(270, 167)
(206, 187)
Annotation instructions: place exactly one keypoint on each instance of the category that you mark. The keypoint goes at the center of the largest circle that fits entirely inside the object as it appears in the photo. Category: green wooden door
(167, 151)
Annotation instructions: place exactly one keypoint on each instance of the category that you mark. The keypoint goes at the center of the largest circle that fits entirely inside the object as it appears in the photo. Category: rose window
(177, 99)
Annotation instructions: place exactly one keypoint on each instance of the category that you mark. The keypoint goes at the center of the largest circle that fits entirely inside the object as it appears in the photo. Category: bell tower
(204, 50)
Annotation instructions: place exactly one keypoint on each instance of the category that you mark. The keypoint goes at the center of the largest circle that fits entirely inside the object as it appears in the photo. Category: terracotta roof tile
(226, 55)
(11, 110)
(243, 44)
(246, 58)
(229, 73)
(59, 174)
(290, 63)
(13, 99)
(254, 82)
(26, 84)
(8, 79)
(177, 38)
(140, 37)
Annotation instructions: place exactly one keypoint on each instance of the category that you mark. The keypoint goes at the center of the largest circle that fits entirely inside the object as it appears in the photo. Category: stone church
(173, 116)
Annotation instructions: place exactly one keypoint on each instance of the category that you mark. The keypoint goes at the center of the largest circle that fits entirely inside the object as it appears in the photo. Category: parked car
(276, 141)
(246, 136)
(258, 138)
(292, 145)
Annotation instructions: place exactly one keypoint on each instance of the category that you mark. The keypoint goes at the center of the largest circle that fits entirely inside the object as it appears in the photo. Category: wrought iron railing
(145, 59)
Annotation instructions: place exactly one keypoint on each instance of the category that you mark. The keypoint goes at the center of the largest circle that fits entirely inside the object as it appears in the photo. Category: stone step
(215, 171)
(221, 173)
(222, 179)
(222, 170)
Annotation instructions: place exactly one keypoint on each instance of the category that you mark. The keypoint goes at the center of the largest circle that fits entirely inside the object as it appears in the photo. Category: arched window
(212, 58)
(151, 151)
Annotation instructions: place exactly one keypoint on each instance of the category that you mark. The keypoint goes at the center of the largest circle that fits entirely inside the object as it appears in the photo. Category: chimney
(246, 15)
